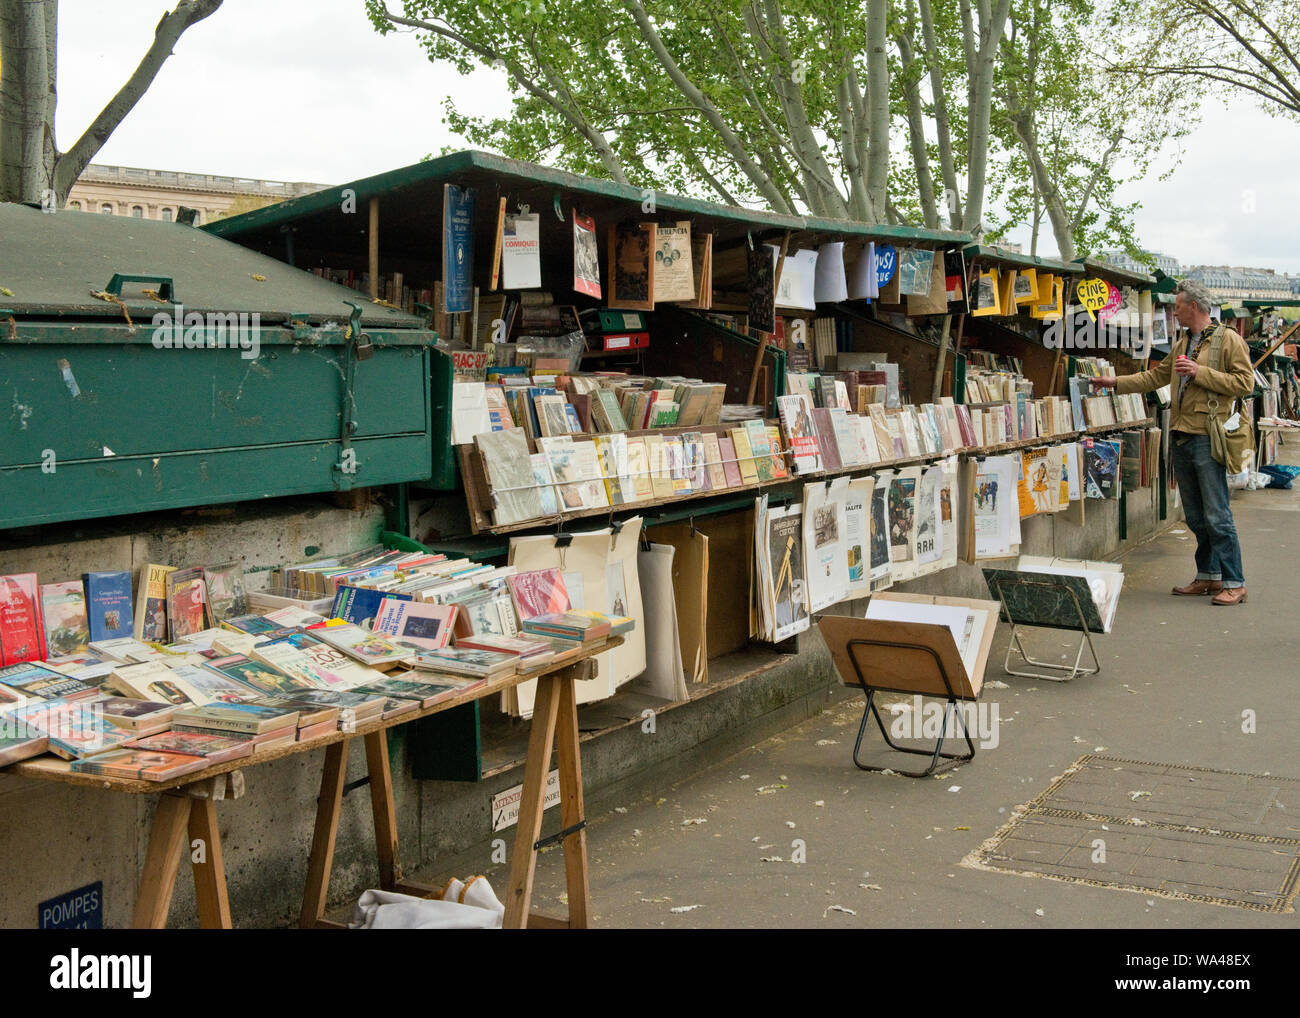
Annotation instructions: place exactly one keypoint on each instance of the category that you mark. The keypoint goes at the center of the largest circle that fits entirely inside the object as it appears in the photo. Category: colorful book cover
(796, 417)
(108, 605)
(187, 603)
(419, 624)
(214, 749)
(140, 765)
(151, 604)
(367, 647)
(22, 635)
(37, 682)
(226, 596)
(63, 609)
(538, 591)
(457, 249)
(779, 469)
(478, 663)
(75, 730)
(586, 258)
(360, 605)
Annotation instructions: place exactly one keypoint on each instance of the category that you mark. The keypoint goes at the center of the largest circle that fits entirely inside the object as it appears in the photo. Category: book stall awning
(405, 227)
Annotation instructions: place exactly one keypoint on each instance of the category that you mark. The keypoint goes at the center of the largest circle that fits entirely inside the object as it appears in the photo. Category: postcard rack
(1046, 601)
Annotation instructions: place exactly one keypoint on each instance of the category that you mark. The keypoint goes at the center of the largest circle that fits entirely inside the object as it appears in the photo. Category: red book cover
(538, 592)
(22, 635)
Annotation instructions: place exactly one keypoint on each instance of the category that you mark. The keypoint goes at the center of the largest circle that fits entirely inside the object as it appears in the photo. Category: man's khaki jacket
(1235, 377)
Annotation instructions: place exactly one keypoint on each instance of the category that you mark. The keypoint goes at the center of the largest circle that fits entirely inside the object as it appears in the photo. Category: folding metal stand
(1057, 672)
(937, 753)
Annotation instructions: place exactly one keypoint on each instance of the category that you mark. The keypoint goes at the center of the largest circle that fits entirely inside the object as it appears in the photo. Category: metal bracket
(558, 836)
(348, 426)
(166, 288)
(301, 327)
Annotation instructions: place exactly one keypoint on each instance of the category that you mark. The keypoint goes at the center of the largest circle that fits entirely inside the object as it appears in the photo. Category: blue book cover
(108, 605)
(458, 248)
(360, 606)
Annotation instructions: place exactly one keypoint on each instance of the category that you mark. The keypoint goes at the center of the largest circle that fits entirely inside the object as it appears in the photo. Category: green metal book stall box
(148, 365)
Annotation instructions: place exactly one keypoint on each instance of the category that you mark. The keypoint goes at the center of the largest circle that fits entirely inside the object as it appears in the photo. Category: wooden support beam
(374, 248)
(762, 343)
(161, 862)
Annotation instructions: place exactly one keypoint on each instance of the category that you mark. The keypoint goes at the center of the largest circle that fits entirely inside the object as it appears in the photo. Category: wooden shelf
(479, 498)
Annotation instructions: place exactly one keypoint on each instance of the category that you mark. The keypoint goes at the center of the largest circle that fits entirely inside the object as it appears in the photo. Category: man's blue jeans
(1203, 485)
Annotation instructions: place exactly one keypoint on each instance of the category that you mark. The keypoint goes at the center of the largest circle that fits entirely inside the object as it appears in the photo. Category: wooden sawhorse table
(554, 726)
(186, 817)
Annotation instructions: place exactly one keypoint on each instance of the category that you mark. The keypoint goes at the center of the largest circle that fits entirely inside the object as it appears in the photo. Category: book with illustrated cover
(360, 605)
(37, 682)
(425, 694)
(661, 482)
(329, 660)
(237, 718)
(371, 649)
(458, 248)
(796, 418)
(75, 730)
(780, 469)
(582, 626)
(213, 749)
(586, 258)
(674, 279)
(63, 610)
(678, 474)
(301, 670)
(416, 623)
(761, 284)
(140, 765)
(509, 473)
(475, 663)
(143, 717)
(693, 446)
(632, 266)
(744, 456)
(577, 473)
(544, 481)
(10, 700)
(22, 631)
(151, 604)
(153, 680)
(611, 453)
(225, 589)
(825, 429)
(108, 605)
(255, 675)
(730, 465)
(521, 252)
(521, 646)
(187, 602)
(538, 591)
(15, 749)
(638, 470)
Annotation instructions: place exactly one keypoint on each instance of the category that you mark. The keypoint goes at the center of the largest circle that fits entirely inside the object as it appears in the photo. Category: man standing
(1207, 364)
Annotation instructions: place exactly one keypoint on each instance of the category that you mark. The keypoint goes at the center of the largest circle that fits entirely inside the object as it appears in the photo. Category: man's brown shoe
(1199, 587)
(1230, 595)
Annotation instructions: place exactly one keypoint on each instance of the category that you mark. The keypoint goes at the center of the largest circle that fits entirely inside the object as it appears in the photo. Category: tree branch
(173, 25)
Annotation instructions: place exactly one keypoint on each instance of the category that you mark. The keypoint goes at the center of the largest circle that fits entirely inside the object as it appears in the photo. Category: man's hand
(1186, 366)
(1102, 382)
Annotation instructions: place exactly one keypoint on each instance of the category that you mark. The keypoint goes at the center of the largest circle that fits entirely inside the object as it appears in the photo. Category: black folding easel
(937, 753)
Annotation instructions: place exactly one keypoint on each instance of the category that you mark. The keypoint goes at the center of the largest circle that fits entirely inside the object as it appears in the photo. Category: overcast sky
(307, 90)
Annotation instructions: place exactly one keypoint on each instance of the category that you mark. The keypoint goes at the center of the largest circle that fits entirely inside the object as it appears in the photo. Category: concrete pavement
(1178, 675)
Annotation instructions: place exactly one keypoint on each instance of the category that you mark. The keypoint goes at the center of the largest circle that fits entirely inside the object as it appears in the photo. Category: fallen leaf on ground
(870, 887)
(837, 908)
(771, 858)
(685, 908)
(694, 820)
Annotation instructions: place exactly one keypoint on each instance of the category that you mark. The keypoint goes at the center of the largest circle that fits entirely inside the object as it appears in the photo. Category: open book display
(1056, 593)
(917, 644)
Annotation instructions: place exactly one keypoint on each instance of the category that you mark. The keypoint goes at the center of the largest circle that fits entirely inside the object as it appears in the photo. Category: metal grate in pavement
(1189, 833)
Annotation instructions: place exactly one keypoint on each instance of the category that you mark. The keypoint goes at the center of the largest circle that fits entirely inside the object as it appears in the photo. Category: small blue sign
(886, 263)
(82, 909)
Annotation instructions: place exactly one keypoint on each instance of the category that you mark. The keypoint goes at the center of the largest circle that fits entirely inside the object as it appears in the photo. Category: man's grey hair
(1197, 294)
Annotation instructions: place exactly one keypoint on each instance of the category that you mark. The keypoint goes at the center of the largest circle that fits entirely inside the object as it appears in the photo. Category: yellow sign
(1093, 294)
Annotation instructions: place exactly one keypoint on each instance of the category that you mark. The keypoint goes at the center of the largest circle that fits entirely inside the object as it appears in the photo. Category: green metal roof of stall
(1264, 305)
(420, 186)
(992, 253)
(53, 264)
(1113, 273)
